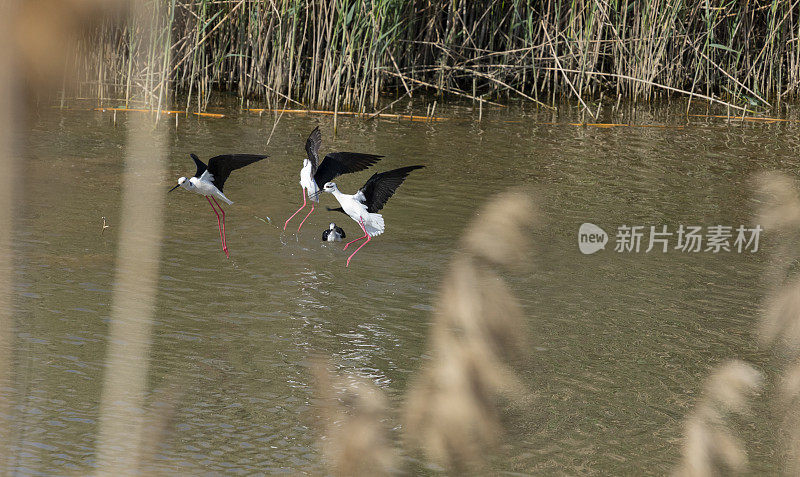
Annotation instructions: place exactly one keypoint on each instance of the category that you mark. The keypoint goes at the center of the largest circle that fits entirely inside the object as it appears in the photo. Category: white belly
(354, 209)
(358, 212)
(307, 182)
(204, 188)
(208, 189)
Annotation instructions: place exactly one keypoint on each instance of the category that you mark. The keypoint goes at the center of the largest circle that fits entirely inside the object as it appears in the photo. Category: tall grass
(347, 55)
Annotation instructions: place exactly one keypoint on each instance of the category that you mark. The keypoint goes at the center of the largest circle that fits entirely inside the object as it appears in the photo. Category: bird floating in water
(333, 233)
(363, 206)
(315, 174)
(209, 180)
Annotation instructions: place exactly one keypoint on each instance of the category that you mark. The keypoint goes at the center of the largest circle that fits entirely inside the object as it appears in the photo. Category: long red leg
(304, 220)
(303, 191)
(224, 237)
(359, 248)
(219, 224)
(359, 238)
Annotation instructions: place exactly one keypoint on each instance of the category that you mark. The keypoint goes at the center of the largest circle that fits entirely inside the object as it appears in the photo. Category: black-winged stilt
(333, 233)
(364, 204)
(315, 174)
(209, 180)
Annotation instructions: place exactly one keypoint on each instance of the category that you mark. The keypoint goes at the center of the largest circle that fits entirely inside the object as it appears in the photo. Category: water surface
(621, 342)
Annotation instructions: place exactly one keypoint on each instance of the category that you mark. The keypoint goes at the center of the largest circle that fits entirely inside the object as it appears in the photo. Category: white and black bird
(315, 174)
(209, 180)
(333, 233)
(363, 206)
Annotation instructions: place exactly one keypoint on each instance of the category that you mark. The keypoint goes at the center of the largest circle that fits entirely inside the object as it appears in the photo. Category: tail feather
(374, 225)
(224, 199)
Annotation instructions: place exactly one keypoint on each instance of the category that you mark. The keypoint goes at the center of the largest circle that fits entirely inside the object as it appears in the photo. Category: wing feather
(313, 144)
(381, 186)
(338, 163)
(201, 168)
(222, 166)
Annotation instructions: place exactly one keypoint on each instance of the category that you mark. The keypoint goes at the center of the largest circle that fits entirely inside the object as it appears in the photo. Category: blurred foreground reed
(710, 446)
(453, 406)
(35, 39)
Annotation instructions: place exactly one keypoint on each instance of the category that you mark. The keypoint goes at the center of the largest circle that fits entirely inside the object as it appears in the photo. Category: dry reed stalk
(452, 406)
(710, 447)
(355, 439)
(617, 125)
(350, 113)
(657, 85)
(563, 74)
(121, 430)
(444, 88)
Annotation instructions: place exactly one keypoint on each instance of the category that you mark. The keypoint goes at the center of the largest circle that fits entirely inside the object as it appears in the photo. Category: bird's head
(332, 226)
(330, 187)
(183, 182)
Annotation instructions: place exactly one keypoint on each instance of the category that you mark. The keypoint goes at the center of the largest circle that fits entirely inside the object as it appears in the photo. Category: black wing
(325, 234)
(338, 163)
(381, 186)
(221, 166)
(201, 168)
(313, 143)
(340, 230)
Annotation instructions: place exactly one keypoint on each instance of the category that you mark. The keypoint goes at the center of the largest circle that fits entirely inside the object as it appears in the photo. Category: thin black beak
(173, 188)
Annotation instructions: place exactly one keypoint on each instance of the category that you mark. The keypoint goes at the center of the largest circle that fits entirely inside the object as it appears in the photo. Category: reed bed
(348, 55)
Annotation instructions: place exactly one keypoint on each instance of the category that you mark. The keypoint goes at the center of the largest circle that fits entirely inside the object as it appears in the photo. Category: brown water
(621, 342)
